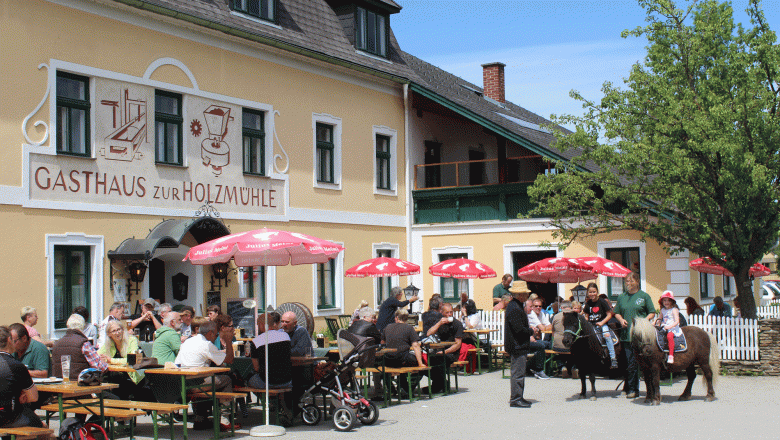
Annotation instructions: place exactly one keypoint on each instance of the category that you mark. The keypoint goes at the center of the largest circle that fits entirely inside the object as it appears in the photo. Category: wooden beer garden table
(195, 373)
(71, 391)
(477, 333)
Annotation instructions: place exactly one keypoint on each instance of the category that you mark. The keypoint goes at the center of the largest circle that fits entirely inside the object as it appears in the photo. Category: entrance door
(548, 291)
(167, 267)
(432, 156)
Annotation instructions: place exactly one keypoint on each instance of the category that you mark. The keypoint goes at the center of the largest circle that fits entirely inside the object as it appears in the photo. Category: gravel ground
(746, 408)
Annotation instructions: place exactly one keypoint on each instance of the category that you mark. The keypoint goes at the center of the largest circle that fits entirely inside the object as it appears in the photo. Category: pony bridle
(577, 333)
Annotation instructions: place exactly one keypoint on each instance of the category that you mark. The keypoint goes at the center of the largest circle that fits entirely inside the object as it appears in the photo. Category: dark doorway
(157, 280)
(432, 156)
(476, 169)
(548, 291)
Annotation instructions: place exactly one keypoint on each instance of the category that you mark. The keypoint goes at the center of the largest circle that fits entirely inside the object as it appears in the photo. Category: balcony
(475, 190)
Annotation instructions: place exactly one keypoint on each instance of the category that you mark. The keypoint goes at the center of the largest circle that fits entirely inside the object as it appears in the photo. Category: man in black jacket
(517, 334)
(365, 325)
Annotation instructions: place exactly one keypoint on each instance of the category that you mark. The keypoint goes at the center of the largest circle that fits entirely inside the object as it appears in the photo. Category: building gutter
(268, 41)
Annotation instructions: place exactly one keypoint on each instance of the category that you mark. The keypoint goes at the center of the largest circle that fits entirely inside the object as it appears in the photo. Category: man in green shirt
(33, 354)
(167, 340)
(633, 303)
(502, 288)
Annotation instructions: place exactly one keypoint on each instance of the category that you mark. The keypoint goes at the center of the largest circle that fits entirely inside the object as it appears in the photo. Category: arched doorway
(168, 278)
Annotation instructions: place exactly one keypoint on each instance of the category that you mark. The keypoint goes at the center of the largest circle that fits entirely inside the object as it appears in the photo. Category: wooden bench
(549, 358)
(396, 372)
(26, 433)
(113, 414)
(276, 393)
(494, 355)
(454, 367)
(221, 396)
(164, 410)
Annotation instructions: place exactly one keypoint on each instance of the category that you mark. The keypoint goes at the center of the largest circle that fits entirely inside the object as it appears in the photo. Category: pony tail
(714, 360)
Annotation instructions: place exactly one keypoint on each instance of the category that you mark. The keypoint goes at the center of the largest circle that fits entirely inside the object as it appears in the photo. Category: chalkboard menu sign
(242, 317)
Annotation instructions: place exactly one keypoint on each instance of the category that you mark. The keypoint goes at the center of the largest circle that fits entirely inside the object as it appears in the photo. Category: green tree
(688, 153)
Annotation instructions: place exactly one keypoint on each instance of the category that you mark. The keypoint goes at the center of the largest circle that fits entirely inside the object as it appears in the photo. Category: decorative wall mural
(214, 151)
(129, 123)
(126, 175)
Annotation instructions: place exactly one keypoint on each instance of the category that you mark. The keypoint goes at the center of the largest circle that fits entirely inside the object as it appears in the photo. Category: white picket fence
(737, 337)
(493, 320)
(768, 311)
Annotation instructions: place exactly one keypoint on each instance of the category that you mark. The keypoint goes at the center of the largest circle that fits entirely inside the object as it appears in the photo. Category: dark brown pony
(590, 357)
(702, 351)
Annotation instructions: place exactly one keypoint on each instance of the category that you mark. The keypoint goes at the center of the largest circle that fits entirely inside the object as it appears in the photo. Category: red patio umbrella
(706, 265)
(461, 268)
(383, 267)
(602, 266)
(556, 270)
(264, 247)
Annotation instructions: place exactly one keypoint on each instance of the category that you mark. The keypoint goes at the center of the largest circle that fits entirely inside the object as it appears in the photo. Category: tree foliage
(688, 153)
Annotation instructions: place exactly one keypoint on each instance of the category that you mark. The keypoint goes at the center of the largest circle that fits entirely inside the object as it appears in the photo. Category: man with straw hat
(517, 335)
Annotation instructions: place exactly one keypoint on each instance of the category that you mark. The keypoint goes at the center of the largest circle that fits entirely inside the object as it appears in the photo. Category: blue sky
(549, 46)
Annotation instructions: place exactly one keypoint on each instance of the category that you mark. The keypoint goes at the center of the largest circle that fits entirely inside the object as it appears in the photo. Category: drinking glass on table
(65, 359)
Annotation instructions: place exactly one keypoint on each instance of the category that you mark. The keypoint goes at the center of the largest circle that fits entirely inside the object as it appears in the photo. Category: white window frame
(324, 118)
(602, 247)
(96, 243)
(394, 252)
(338, 286)
(710, 286)
(270, 287)
(435, 252)
(732, 286)
(393, 135)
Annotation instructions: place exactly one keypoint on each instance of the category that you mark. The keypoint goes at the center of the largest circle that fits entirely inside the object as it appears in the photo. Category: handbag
(147, 362)
(432, 339)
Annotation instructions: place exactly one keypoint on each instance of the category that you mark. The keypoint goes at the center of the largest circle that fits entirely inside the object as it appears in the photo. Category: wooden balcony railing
(470, 173)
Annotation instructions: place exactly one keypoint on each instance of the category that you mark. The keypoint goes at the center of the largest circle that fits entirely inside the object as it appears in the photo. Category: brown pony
(702, 351)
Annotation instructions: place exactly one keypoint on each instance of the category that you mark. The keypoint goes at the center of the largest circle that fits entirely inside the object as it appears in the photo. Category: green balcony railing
(472, 203)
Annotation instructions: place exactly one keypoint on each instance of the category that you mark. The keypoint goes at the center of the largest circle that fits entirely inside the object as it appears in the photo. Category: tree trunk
(745, 298)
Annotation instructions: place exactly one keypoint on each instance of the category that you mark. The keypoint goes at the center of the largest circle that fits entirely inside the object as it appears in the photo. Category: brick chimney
(493, 81)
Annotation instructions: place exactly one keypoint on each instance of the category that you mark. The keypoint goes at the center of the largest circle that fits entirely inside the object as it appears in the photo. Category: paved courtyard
(746, 408)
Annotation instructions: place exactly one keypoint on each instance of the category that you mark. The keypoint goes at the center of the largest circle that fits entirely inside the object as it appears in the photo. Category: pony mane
(643, 332)
(586, 325)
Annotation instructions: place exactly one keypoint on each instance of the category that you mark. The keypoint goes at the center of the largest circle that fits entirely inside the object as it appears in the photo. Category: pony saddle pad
(680, 344)
(612, 336)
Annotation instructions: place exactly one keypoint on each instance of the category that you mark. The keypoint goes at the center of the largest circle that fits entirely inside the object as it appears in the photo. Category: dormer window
(262, 9)
(371, 32)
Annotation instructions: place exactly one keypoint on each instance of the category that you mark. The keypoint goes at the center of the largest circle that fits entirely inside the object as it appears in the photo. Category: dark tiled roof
(463, 93)
(310, 25)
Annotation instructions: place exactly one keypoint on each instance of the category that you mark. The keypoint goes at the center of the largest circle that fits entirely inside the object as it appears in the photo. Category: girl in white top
(669, 320)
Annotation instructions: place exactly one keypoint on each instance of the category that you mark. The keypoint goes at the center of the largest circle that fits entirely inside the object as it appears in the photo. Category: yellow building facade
(116, 120)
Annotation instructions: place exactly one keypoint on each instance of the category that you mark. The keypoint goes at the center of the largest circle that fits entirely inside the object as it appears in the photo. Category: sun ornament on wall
(195, 127)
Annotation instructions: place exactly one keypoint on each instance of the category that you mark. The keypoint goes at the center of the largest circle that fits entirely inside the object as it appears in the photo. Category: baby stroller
(347, 403)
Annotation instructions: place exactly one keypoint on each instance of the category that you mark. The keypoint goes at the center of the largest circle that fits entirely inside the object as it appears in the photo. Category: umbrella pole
(267, 430)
